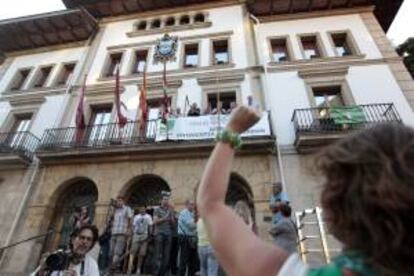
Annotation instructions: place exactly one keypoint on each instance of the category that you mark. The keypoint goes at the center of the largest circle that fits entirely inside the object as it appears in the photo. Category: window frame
(319, 45)
(229, 51)
(183, 55)
(350, 40)
(36, 77)
(26, 81)
(105, 68)
(132, 69)
(289, 48)
(61, 71)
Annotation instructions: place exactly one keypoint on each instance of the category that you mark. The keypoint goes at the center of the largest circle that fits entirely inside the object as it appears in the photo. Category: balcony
(187, 136)
(17, 148)
(316, 127)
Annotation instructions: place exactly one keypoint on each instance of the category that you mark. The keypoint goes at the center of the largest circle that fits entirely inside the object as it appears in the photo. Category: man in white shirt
(77, 262)
(142, 226)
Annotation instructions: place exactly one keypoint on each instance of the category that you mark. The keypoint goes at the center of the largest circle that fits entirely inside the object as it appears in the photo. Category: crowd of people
(195, 111)
(367, 199)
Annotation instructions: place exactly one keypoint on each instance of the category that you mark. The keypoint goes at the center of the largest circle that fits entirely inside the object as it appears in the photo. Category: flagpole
(164, 81)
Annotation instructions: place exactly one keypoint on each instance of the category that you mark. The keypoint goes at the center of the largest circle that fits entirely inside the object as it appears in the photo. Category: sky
(401, 29)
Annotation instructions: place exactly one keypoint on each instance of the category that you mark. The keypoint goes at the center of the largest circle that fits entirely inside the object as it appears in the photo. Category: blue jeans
(208, 262)
(162, 253)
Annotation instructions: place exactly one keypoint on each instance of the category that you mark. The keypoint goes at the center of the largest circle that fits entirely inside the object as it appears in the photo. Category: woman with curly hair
(368, 199)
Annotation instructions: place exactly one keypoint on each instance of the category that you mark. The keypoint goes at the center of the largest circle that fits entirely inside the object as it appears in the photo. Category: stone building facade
(297, 62)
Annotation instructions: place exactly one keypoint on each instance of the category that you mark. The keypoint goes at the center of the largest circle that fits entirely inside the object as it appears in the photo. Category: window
(114, 59)
(100, 115)
(99, 120)
(142, 26)
(190, 55)
(155, 107)
(341, 44)
(21, 123)
(170, 21)
(66, 74)
(226, 99)
(184, 20)
(20, 79)
(42, 76)
(140, 61)
(280, 52)
(328, 96)
(220, 52)
(199, 18)
(310, 47)
(156, 24)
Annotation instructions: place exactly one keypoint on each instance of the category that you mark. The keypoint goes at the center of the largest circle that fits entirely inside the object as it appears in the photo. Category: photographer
(74, 262)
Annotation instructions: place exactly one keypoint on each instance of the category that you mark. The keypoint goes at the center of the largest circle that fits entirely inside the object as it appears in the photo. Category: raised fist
(242, 118)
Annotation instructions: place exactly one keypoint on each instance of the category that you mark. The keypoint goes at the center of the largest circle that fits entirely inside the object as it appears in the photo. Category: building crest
(166, 49)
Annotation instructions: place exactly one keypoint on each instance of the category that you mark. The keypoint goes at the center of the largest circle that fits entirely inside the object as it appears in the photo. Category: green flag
(347, 114)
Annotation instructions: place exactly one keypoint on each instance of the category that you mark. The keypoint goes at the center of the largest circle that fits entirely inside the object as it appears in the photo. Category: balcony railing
(98, 136)
(188, 130)
(341, 119)
(21, 143)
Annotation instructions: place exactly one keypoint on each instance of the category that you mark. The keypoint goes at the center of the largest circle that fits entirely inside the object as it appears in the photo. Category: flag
(122, 120)
(347, 114)
(80, 117)
(143, 106)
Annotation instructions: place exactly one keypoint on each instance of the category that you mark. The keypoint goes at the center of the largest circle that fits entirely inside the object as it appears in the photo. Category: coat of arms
(165, 49)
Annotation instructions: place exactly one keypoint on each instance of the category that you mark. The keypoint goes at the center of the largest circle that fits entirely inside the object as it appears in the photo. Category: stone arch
(145, 190)
(66, 200)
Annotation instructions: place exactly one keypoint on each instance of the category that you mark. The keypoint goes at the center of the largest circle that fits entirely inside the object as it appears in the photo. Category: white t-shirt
(141, 224)
(90, 268)
(293, 266)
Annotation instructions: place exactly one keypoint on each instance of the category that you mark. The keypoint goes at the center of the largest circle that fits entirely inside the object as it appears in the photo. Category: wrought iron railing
(22, 143)
(97, 136)
(345, 118)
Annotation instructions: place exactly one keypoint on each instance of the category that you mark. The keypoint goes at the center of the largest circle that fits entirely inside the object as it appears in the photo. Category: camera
(58, 260)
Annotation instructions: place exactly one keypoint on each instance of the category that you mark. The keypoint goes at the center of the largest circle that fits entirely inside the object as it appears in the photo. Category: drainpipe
(266, 88)
(33, 172)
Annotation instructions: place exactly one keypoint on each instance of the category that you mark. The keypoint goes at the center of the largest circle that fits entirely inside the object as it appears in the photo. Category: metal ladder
(305, 220)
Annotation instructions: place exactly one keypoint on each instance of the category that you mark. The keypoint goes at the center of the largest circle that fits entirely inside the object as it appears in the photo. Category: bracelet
(229, 137)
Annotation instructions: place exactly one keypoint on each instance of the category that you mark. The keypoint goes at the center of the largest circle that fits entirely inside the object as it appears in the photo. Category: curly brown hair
(368, 197)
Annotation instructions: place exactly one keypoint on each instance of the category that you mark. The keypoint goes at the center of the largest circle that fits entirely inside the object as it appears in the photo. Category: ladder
(313, 238)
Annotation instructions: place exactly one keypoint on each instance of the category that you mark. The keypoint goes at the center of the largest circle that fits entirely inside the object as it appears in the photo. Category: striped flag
(80, 117)
(122, 120)
(143, 106)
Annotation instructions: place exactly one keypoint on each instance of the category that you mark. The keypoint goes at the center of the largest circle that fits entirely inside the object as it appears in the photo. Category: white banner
(205, 127)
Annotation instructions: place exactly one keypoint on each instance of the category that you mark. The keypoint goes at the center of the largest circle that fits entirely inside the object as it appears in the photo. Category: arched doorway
(239, 190)
(77, 193)
(145, 190)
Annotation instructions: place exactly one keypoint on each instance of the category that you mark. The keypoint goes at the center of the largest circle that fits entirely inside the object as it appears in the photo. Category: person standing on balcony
(120, 231)
(194, 111)
(187, 238)
(164, 224)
